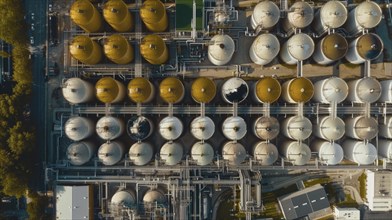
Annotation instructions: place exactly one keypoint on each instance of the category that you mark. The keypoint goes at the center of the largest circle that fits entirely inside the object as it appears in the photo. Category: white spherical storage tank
(332, 14)
(221, 49)
(300, 15)
(139, 128)
(171, 128)
(266, 128)
(80, 153)
(76, 91)
(364, 90)
(234, 128)
(202, 128)
(331, 48)
(235, 90)
(171, 153)
(140, 153)
(265, 15)
(359, 152)
(295, 152)
(111, 153)
(330, 90)
(78, 128)
(265, 153)
(329, 128)
(365, 47)
(298, 48)
(154, 198)
(109, 127)
(264, 49)
(297, 127)
(361, 127)
(386, 129)
(385, 148)
(234, 153)
(123, 199)
(366, 15)
(386, 91)
(202, 153)
(328, 153)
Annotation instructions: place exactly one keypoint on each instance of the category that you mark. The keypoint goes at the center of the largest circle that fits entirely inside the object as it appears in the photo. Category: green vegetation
(270, 202)
(36, 208)
(348, 202)
(362, 185)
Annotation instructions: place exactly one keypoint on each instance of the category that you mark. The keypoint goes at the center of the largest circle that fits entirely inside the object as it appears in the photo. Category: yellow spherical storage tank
(171, 90)
(109, 90)
(85, 50)
(153, 14)
(117, 15)
(86, 16)
(268, 90)
(140, 90)
(299, 89)
(203, 90)
(118, 49)
(154, 49)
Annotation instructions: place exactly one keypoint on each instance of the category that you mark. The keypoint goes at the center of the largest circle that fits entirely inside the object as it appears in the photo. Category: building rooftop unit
(74, 202)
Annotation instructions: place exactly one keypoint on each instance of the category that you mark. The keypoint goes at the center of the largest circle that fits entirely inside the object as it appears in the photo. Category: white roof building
(379, 190)
(74, 202)
(346, 213)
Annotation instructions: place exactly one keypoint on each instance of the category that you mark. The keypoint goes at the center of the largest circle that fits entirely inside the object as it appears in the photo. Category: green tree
(21, 140)
(14, 184)
(36, 208)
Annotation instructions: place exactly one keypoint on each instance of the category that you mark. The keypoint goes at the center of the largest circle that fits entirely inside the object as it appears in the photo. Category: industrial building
(343, 213)
(378, 190)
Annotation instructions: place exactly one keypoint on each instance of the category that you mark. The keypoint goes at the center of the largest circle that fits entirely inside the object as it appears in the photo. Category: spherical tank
(265, 153)
(109, 127)
(386, 91)
(171, 90)
(235, 90)
(109, 90)
(295, 152)
(298, 48)
(111, 153)
(221, 49)
(359, 152)
(202, 153)
(234, 153)
(365, 47)
(265, 15)
(139, 128)
(364, 90)
(297, 127)
(386, 129)
(329, 128)
(140, 90)
(298, 90)
(267, 90)
(203, 90)
(361, 127)
(332, 14)
(328, 153)
(123, 199)
(171, 153)
(385, 148)
(85, 15)
(170, 128)
(366, 15)
(330, 90)
(234, 128)
(331, 48)
(76, 91)
(266, 128)
(202, 128)
(79, 153)
(153, 198)
(140, 153)
(153, 15)
(78, 128)
(118, 49)
(264, 49)
(300, 15)
(154, 49)
(117, 15)
(85, 50)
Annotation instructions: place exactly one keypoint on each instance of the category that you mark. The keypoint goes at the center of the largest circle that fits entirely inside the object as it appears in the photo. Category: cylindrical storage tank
(329, 128)
(221, 49)
(202, 128)
(123, 199)
(153, 15)
(267, 90)
(297, 127)
(171, 90)
(234, 128)
(109, 90)
(365, 47)
(80, 153)
(111, 153)
(359, 152)
(117, 15)
(85, 15)
(330, 90)
(295, 152)
(264, 49)
(300, 15)
(298, 90)
(364, 90)
(265, 15)
(235, 90)
(171, 153)
(361, 127)
(202, 153)
(298, 48)
(328, 153)
(385, 149)
(154, 198)
(386, 91)
(386, 129)
(139, 128)
(170, 128)
(140, 153)
(85, 50)
(332, 14)
(118, 49)
(78, 128)
(331, 48)
(366, 15)
(140, 90)
(265, 153)
(266, 128)
(109, 127)
(234, 153)
(154, 50)
(76, 91)
(203, 90)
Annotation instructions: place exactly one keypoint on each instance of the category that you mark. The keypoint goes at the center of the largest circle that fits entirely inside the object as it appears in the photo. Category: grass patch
(349, 202)
(362, 185)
